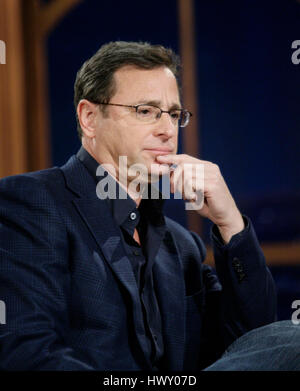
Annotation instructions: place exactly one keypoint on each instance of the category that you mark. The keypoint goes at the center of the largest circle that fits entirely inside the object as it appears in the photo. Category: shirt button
(133, 216)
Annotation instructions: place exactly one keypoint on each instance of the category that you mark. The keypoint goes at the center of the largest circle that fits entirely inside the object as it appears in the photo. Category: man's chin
(157, 170)
(149, 171)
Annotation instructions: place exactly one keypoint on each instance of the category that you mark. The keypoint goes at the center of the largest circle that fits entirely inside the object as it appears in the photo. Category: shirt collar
(122, 208)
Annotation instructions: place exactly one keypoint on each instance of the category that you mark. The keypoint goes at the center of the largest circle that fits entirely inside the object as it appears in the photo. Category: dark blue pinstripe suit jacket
(71, 298)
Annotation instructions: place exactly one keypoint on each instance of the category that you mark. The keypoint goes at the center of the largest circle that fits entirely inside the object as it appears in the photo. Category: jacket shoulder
(30, 189)
(31, 178)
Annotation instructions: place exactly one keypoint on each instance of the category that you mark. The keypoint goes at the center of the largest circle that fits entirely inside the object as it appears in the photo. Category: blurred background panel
(249, 106)
(238, 79)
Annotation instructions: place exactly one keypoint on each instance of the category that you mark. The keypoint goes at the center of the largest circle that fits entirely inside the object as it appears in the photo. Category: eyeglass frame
(146, 104)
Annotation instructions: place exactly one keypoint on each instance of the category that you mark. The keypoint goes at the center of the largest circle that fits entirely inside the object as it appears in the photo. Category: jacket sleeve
(240, 293)
(34, 279)
(249, 293)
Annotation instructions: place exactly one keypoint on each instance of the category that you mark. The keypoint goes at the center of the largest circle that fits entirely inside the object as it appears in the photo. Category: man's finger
(181, 158)
(197, 203)
(169, 159)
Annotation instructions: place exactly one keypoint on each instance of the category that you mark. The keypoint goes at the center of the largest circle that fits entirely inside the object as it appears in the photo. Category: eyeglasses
(151, 113)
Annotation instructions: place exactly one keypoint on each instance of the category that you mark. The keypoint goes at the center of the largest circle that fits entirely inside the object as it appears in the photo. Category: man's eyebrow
(158, 103)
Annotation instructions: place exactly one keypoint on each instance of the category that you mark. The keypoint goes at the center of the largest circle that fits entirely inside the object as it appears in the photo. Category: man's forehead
(146, 82)
(136, 75)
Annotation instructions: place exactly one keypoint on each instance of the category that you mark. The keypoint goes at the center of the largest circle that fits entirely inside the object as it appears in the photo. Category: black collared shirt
(149, 222)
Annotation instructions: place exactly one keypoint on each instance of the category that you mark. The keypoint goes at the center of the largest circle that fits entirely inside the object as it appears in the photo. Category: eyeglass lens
(152, 113)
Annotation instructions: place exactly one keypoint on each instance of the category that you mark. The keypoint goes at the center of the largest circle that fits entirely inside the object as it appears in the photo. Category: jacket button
(238, 268)
(236, 264)
(133, 216)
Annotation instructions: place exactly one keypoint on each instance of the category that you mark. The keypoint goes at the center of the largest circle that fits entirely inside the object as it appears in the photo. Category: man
(111, 284)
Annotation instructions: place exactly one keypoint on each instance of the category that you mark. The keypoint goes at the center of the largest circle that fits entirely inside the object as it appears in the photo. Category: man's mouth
(159, 151)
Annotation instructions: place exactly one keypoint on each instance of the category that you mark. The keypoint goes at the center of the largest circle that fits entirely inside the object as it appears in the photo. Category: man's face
(121, 133)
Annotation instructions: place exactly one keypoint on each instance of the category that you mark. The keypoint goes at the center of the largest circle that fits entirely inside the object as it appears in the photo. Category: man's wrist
(235, 227)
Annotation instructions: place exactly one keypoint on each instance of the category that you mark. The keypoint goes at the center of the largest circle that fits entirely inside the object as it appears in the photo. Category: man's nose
(165, 126)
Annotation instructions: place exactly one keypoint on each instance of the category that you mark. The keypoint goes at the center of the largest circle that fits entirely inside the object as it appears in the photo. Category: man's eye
(175, 115)
(144, 112)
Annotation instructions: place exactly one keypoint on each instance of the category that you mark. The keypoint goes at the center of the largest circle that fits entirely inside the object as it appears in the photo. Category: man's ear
(87, 116)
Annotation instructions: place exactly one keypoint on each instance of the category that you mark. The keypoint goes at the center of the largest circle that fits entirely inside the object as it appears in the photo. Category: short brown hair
(94, 80)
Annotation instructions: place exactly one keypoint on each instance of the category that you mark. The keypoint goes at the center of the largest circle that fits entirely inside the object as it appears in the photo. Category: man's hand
(219, 206)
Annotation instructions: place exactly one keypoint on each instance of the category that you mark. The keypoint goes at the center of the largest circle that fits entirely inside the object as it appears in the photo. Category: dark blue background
(248, 96)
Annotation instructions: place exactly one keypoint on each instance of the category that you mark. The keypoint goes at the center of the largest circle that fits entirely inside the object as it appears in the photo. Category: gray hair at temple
(95, 81)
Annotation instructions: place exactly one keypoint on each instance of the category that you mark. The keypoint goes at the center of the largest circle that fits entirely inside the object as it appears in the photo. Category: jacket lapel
(97, 216)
